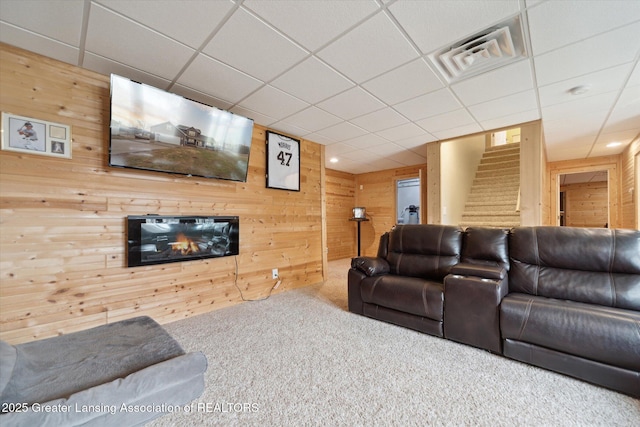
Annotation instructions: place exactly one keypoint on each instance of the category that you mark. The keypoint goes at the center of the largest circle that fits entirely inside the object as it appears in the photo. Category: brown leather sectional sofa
(561, 298)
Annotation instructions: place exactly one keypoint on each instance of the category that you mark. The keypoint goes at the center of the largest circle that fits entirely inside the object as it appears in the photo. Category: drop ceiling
(356, 75)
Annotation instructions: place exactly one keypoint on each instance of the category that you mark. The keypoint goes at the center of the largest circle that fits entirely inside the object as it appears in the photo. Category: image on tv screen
(159, 131)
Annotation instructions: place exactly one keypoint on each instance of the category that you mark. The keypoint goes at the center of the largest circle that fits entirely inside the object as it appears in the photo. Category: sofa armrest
(472, 310)
(371, 266)
(493, 272)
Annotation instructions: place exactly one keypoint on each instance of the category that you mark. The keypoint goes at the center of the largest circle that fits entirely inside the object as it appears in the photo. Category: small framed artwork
(35, 136)
(283, 162)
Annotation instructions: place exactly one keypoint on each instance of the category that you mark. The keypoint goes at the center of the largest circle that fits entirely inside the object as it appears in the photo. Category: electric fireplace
(154, 239)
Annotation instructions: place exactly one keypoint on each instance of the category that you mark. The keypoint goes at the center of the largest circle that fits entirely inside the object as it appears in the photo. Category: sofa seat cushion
(604, 334)
(57, 367)
(412, 295)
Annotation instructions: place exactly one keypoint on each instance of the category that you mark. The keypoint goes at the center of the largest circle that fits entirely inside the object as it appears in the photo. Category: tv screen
(159, 131)
(155, 239)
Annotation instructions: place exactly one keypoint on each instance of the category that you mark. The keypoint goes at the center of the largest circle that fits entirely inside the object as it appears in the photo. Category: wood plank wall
(608, 163)
(376, 192)
(62, 221)
(630, 187)
(340, 196)
(586, 204)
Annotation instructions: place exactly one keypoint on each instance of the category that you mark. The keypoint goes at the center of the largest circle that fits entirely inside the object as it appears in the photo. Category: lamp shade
(359, 213)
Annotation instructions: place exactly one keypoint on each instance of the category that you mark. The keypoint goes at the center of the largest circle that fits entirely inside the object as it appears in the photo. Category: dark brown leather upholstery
(475, 288)
(597, 265)
(576, 292)
(403, 284)
(565, 299)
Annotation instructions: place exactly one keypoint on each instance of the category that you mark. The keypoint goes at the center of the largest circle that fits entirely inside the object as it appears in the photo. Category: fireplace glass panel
(157, 240)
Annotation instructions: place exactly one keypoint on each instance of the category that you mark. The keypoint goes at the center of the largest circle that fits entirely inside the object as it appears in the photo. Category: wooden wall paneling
(62, 221)
(531, 173)
(609, 163)
(341, 233)
(629, 186)
(586, 204)
(433, 205)
(376, 192)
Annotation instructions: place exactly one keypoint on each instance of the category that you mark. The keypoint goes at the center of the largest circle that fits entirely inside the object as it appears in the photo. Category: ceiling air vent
(484, 51)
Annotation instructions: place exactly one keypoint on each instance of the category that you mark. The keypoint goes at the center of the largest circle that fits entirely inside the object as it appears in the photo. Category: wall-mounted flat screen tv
(153, 239)
(159, 131)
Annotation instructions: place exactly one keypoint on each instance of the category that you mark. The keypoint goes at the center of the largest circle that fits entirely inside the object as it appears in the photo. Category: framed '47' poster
(283, 162)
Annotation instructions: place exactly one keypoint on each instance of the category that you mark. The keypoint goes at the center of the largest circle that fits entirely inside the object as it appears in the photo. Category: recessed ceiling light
(614, 144)
(333, 160)
(580, 90)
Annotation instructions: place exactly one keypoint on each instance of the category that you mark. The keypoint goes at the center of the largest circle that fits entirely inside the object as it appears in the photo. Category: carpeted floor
(300, 358)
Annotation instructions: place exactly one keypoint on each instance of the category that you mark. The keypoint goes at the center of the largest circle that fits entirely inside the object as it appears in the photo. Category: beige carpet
(300, 358)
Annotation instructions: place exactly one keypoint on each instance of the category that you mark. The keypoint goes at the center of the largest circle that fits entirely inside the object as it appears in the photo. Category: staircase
(493, 198)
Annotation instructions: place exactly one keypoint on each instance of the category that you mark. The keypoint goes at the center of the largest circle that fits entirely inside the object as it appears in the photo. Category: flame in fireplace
(184, 246)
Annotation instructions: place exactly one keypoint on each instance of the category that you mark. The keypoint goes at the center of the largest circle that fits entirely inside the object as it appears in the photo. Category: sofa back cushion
(598, 265)
(486, 246)
(424, 250)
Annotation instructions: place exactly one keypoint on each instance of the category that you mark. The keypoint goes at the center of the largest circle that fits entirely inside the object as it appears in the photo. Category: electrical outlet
(274, 273)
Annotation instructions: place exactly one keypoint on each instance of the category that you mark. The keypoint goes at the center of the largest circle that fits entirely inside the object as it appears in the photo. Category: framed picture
(35, 136)
(283, 162)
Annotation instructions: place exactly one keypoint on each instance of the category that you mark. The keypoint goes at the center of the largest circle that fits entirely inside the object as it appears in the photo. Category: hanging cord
(235, 282)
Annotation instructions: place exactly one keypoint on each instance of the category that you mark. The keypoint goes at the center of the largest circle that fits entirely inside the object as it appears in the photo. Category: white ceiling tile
(495, 84)
(383, 163)
(259, 118)
(312, 81)
(198, 96)
(510, 120)
(342, 131)
(405, 131)
(597, 53)
(351, 103)
(420, 150)
(608, 80)
(107, 67)
(450, 120)
(557, 23)
(626, 113)
(428, 105)
(602, 150)
(558, 130)
(568, 149)
(288, 129)
(414, 143)
(273, 102)
(459, 131)
(624, 137)
(379, 120)
(372, 44)
(408, 158)
(434, 24)
(317, 138)
(202, 15)
(404, 82)
(312, 119)
(374, 47)
(361, 155)
(366, 141)
(577, 109)
(508, 105)
(59, 20)
(210, 76)
(143, 47)
(338, 149)
(13, 35)
(312, 24)
(634, 79)
(246, 43)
